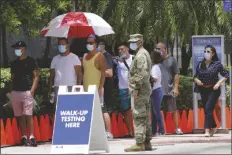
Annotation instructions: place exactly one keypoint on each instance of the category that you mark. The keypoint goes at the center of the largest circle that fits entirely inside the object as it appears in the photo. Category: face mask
(123, 56)
(161, 53)
(133, 46)
(18, 52)
(89, 47)
(99, 48)
(62, 48)
(207, 56)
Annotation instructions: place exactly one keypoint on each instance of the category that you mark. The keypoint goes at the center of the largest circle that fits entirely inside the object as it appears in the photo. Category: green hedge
(184, 100)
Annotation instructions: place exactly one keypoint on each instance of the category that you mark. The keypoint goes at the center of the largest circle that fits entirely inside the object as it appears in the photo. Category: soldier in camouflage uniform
(140, 88)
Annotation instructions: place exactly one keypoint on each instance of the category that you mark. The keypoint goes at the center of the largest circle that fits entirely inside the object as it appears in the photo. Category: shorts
(125, 99)
(22, 103)
(107, 96)
(170, 103)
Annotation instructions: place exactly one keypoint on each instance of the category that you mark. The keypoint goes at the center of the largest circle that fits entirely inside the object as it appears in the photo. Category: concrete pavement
(170, 144)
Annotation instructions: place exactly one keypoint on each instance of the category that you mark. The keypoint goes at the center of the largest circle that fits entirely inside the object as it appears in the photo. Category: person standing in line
(208, 84)
(108, 87)
(140, 88)
(24, 81)
(94, 67)
(170, 83)
(123, 68)
(65, 68)
(157, 94)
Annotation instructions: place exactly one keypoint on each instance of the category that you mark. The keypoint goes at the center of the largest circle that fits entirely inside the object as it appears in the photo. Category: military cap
(136, 37)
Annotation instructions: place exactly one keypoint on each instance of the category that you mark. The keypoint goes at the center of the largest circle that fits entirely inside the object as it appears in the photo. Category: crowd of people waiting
(141, 78)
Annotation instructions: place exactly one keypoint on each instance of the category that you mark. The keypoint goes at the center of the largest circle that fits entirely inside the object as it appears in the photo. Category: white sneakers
(211, 133)
(179, 132)
(109, 136)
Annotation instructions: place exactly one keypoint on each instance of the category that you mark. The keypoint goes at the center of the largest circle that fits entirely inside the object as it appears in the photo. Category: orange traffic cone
(184, 121)
(190, 124)
(3, 135)
(9, 133)
(43, 129)
(48, 126)
(36, 129)
(120, 125)
(169, 123)
(228, 118)
(15, 130)
(114, 126)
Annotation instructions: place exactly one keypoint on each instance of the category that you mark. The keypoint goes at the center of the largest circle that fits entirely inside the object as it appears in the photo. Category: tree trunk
(4, 49)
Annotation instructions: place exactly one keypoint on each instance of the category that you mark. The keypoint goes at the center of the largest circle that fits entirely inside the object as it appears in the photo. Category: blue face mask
(99, 48)
(18, 52)
(161, 53)
(133, 46)
(62, 48)
(122, 56)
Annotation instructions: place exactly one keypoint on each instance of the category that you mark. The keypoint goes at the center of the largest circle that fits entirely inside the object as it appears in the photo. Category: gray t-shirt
(169, 68)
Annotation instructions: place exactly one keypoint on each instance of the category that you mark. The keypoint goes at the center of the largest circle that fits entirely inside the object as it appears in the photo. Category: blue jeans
(156, 99)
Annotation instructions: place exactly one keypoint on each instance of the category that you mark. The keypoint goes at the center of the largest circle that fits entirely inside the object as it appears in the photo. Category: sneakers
(109, 136)
(179, 132)
(213, 131)
(207, 134)
(33, 142)
(24, 141)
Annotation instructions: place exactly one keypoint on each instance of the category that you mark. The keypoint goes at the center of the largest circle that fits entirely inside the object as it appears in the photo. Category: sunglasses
(91, 43)
(206, 51)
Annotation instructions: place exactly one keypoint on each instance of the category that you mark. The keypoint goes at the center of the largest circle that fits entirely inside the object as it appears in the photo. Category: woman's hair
(213, 49)
(156, 57)
(214, 58)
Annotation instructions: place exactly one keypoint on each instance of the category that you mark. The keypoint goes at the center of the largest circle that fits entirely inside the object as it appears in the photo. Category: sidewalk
(118, 145)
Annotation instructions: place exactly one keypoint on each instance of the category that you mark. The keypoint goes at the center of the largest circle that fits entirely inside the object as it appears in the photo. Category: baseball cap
(19, 44)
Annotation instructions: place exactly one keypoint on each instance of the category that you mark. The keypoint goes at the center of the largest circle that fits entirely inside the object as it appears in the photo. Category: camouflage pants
(141, 108)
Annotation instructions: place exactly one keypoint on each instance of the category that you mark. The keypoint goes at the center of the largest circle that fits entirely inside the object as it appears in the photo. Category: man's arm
(35, 81)
(135, 81)
(176, 77)
(51, 80)
(78, 70)
(109, 70)
(103, 70)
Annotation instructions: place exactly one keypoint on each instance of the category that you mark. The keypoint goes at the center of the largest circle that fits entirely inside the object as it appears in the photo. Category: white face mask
(18, 52)
(133, 46)
(207, 56)
(89, 47)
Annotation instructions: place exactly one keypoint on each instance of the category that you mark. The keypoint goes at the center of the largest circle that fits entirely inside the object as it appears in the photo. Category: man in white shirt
(65, 68)
(123, 66)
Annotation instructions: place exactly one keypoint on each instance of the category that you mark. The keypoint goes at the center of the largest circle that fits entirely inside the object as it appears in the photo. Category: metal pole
(230, 82)
(223, 92)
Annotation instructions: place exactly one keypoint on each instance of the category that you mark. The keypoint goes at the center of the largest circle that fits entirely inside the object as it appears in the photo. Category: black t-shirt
(108, 80)
(23, 73)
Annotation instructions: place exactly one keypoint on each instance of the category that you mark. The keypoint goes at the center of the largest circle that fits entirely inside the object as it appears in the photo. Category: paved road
(188, 148)
(169, 144)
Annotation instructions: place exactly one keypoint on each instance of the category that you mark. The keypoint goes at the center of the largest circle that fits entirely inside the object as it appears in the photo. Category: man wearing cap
(24, 81)
(140, 88)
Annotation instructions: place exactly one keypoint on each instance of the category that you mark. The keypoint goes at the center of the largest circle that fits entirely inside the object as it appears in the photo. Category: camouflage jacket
(140, 70)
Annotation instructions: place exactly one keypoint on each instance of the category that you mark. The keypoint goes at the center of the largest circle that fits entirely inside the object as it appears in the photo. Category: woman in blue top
(208, 83)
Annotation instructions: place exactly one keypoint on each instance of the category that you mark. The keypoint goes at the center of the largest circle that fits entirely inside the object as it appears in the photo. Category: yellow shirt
(92, 75)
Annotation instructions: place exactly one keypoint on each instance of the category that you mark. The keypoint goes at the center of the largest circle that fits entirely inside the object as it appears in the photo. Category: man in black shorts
(108, 86)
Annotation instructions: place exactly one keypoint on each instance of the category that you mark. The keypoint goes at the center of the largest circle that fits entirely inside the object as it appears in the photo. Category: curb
(194, 141)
